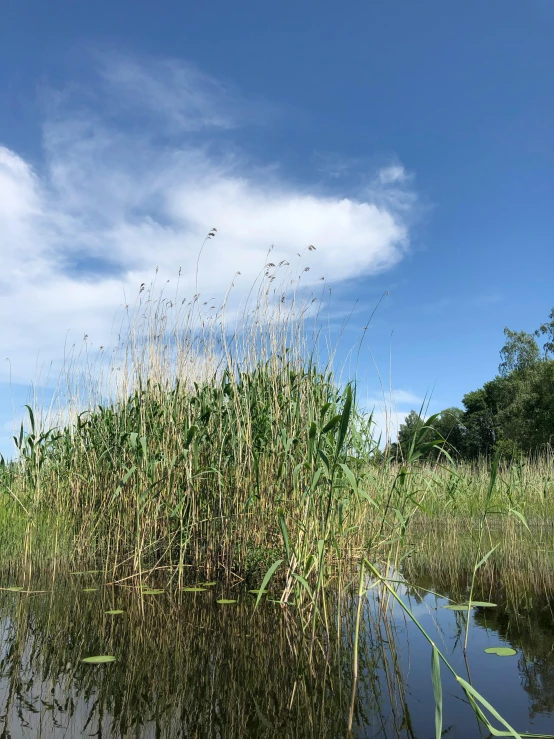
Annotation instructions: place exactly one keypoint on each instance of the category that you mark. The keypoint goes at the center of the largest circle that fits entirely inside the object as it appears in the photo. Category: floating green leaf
(13, 589)
(208, 584)
(256, 592)
(99, 659)
(482, 604)
(225, 601)
(194, 590)
(89, 590)
(474, 604)
(115, 612)
(501, 651)
(152, 591)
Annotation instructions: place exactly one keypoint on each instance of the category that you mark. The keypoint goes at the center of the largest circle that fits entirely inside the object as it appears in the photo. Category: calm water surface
(187, 666)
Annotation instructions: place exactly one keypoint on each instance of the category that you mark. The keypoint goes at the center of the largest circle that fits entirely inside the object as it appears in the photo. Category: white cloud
(114, 200)
(392, 174)
(390, 410)
(404, 397)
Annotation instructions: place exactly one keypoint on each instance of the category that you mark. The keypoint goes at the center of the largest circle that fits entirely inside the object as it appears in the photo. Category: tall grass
(226, 444)
(200, 445)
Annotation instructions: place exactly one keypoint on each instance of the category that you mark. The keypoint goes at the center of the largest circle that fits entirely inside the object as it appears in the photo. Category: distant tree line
(513, 413)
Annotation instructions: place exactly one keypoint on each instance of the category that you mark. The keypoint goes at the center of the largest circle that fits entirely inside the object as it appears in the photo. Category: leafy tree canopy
(513, 412)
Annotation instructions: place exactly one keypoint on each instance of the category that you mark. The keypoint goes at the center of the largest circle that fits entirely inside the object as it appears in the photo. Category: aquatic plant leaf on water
(152, 591)
(100, 659)
(501, 651)
(194, 590)
(256, 592)
(474, 604)
(225, 601)
(89, 590)
(13, 589)
(207, 584)
(115, 612)
(482, 604)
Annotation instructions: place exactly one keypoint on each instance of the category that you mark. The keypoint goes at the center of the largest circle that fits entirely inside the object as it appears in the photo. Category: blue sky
(411, 142)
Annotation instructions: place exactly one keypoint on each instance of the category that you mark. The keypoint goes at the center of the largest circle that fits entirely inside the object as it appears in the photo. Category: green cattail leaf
(331, 425)
(472, 693)
(284, 533)
(437, 690)
(484, 559)
(345, 419)
(268, 575)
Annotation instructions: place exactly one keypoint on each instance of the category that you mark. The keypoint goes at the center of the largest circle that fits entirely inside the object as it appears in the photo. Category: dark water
(187, 666)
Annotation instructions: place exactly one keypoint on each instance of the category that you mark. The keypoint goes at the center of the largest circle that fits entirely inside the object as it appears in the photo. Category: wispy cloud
(391, 408)
(135, 172)
(394, 173)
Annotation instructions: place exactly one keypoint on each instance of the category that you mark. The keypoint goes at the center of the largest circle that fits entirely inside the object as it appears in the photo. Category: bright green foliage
(547, 329)
(512, 413)
(413, 423)
(518, 353)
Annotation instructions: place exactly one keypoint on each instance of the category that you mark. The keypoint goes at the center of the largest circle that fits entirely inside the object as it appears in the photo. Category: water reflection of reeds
(186, 666)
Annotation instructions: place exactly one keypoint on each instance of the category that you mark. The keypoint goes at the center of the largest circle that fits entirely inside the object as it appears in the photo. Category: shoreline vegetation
(228, 449)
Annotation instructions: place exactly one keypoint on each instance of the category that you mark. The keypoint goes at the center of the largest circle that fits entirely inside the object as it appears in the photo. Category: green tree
(479, 423)
(547, 329)
(413, 424)
(449, 426)
(520, 351)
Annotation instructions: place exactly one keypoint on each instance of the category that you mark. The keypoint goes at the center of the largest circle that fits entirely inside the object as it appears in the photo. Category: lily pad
(194, 590)
(256, 592)
(100, 659)
(89, 590)
(225, 601)
(482, 604)
(115, 612)
(458, 607)
(14, 589)
(501, 651)
(152, 591)
(208, 584)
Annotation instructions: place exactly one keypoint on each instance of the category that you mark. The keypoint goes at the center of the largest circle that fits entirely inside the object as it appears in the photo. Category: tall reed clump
(205, 441)
(223, 442)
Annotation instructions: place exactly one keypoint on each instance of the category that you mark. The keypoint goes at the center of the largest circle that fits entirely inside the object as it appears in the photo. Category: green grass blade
(267, 577)
(437, 690)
